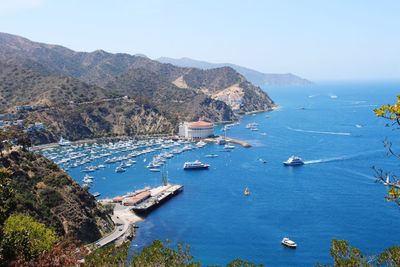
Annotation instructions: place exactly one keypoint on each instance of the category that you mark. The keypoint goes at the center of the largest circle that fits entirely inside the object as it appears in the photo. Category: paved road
(121, 227)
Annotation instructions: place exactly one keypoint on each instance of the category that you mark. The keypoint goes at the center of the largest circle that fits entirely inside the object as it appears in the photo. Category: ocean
(333, 196)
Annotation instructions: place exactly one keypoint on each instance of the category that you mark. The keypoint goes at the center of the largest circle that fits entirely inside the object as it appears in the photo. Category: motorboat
(201, 144)
(293, 161)
(288, 243)
(211, 156)
(227, 146)
(64, 142)
(195, 165)
(120, 169)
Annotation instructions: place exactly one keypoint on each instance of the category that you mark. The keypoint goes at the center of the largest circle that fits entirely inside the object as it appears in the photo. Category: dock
(229, 140)
(158, 196)
(237, 141)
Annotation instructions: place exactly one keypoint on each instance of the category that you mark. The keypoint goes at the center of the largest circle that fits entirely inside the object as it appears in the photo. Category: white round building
(196, 129)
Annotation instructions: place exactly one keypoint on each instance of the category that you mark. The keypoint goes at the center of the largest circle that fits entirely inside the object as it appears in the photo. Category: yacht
(293, 161)
(201, 144)
(247, 191)
(195, 165)
(289, 243)
(227, 146)
(154, 169)
(120, 169)
(88, 179)
(211, 156)
(64, 142)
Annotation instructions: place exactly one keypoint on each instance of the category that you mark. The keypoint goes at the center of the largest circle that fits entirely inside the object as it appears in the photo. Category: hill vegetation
(52, 76)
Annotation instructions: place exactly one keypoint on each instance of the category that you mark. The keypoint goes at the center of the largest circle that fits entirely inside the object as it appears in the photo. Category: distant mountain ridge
(254, 76)
(68, 86)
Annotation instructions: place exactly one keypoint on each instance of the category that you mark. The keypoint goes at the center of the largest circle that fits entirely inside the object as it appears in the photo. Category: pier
(229, 140)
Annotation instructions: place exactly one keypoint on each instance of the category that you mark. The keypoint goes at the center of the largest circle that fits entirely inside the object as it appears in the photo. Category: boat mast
(164, 175)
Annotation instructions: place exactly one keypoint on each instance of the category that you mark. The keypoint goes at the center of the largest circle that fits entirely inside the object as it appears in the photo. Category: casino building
(196, 129)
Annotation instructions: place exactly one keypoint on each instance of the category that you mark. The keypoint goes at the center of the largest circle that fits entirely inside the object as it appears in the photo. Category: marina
(283, 201)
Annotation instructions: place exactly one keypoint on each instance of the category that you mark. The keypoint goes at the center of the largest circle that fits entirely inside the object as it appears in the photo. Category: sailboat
(387, 181)
(246, 191)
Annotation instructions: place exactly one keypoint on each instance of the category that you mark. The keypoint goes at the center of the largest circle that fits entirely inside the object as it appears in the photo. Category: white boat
(293, 161)
(64, 142)
(201, 144)
(120, 169)
(211, 156)
(195, 165)
(154, 169)
(227, 146)
(289, 243)
(247, 191)
(387, 181)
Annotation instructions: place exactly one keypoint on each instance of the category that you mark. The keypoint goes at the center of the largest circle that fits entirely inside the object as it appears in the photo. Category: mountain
(42, 190)
(83, 95)
(255, 77)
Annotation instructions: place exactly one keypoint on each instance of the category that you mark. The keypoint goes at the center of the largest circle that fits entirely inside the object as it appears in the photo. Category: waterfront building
(196, 129)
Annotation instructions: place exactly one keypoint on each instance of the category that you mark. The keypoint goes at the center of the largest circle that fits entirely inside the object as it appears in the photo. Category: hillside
(101, 119)
(20, 85)
(100, 67)
(255, 77)
(49, 195)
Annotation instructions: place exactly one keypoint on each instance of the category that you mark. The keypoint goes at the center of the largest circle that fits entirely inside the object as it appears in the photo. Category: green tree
(392, 114)
(241, 263)
(160, 255)
(6, 195)
(24, 238)
(110, 255)
(345, 255)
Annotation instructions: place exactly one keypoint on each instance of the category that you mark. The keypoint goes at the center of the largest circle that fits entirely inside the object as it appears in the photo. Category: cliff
(48, 194)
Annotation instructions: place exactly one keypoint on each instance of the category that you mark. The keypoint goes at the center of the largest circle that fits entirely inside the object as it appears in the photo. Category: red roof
(196, 124)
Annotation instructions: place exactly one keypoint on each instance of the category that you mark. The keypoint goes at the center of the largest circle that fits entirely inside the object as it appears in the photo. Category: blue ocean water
(333, 128)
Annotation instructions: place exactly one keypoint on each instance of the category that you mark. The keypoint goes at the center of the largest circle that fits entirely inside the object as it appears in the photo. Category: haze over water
(333, 196)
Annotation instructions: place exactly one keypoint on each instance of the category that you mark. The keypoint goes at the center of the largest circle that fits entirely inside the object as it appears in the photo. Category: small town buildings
(196, 129)
(36, 127)
(23, 108)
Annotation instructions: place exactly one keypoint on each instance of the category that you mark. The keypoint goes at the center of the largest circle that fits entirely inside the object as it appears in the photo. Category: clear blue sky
(319, 40)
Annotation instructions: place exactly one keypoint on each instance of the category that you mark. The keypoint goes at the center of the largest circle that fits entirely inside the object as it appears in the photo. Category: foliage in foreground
(345, 255)
(158, 254)
(24, 238)
(392, 114)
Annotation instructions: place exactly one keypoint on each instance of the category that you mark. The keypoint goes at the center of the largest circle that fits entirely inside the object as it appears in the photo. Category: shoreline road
(123, 217)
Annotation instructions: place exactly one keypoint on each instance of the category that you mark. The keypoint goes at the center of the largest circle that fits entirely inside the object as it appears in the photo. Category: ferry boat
(64, 142)
(288, 243)
(195, 165)
(293, 161)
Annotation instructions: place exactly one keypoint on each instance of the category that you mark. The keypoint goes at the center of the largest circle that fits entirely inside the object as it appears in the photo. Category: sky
(316, 39)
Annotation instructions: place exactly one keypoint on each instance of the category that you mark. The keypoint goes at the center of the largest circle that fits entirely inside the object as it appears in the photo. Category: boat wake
(318, 132)
(342, 158)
